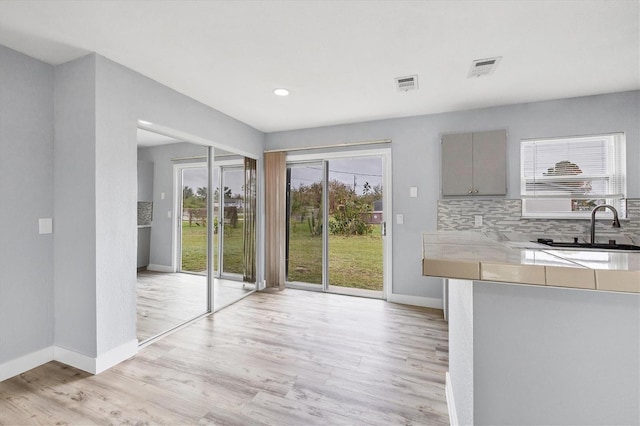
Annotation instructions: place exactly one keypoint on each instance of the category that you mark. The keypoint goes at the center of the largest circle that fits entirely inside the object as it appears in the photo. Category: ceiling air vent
(404, 84)
(484, 66)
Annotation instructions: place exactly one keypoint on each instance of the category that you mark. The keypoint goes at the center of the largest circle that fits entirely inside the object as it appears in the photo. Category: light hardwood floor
(166, 300)
(285, 358)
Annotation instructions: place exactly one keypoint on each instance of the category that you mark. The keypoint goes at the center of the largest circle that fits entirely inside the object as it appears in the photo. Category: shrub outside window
(567, 177)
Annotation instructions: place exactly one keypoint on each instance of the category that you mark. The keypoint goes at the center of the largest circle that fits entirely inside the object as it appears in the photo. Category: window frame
(615, 174)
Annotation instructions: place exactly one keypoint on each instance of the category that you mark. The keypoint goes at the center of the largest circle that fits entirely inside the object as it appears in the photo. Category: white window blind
(570, 176)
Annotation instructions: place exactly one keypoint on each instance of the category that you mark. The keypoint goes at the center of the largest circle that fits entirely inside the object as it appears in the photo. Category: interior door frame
(387, 209)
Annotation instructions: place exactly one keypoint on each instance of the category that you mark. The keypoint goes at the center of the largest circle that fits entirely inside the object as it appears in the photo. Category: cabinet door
(489, 163)
(457, 177)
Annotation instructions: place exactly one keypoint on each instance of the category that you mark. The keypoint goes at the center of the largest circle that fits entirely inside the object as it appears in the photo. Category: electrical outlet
(478, 221)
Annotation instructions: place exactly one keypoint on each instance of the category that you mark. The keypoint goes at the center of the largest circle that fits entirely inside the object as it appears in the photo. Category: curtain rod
(337, 145)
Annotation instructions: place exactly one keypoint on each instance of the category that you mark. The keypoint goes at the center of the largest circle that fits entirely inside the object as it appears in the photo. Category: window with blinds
(568, 177)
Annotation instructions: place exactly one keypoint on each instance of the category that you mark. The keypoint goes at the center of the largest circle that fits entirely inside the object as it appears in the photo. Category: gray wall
(71, 154)
(546, 356)
(75, 206)
(416, 158)
(161, 227)
(123, 97)
(26, 194)
(145, 181)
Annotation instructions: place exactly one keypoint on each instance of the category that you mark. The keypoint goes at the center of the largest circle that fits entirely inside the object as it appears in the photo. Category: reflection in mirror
(234, 204)
(172, 284)
(176, 215)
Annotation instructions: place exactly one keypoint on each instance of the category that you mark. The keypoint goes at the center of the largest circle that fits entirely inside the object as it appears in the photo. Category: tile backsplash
(503, 216)
(145, 213)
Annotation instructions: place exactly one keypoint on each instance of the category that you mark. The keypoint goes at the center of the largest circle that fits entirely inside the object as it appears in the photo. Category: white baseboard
(25, 363)
(116, 356)
(99, 364)
(427, 302)
(160, 268)
(75, 359)
(451, 405)
(69, 357)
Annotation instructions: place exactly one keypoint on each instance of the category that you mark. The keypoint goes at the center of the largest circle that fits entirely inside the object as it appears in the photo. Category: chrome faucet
(615, 224)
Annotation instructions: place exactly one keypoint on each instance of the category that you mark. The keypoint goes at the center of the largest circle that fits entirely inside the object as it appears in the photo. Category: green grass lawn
(354, 261)
(194, 248)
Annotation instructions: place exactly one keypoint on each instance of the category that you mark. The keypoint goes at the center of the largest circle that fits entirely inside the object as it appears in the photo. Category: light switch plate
(399, 219)
(478, 221)
(413, 192)
(45, 225)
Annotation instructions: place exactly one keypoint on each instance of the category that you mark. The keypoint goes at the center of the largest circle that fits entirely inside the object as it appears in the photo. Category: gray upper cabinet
(474, 163)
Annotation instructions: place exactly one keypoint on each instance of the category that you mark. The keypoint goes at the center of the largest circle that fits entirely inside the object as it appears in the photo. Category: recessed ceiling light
(281, 92)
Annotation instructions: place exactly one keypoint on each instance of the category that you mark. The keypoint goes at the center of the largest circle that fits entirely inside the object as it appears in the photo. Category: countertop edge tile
(463, 269)
(522, 274)
(561, 276)
(614, 280)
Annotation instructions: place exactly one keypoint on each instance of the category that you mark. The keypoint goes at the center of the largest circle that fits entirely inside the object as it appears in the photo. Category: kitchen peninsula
(538, 336)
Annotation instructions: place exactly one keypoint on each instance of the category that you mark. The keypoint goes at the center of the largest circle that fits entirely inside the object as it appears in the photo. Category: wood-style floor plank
(282, 358)
(166, 300)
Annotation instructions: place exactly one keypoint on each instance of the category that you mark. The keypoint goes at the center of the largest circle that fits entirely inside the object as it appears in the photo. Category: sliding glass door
(336, 224)
(304, 223)
(234, 222)
(355, 224)
(192, 223)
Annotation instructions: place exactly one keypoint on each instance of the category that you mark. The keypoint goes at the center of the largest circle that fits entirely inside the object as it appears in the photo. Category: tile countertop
(475, 256)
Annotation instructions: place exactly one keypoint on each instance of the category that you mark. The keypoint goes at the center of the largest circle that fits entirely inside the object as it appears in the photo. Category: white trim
(99, 364)
(189, 137)
(451, 405)
(387, 214)
(116, 356)
(338, 154)
(72, 358)
(352, 291)
(25, 363)
(332, 146)
(75, 359)
(160, 268)
(426, 302)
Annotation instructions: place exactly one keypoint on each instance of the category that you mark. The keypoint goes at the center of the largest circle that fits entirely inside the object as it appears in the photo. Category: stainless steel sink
(575, 245)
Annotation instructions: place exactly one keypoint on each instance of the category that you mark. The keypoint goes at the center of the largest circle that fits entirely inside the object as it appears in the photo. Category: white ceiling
(340, 58)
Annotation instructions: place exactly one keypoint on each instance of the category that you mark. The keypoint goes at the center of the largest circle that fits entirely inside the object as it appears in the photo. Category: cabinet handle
(471, 191)
(475, 191)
